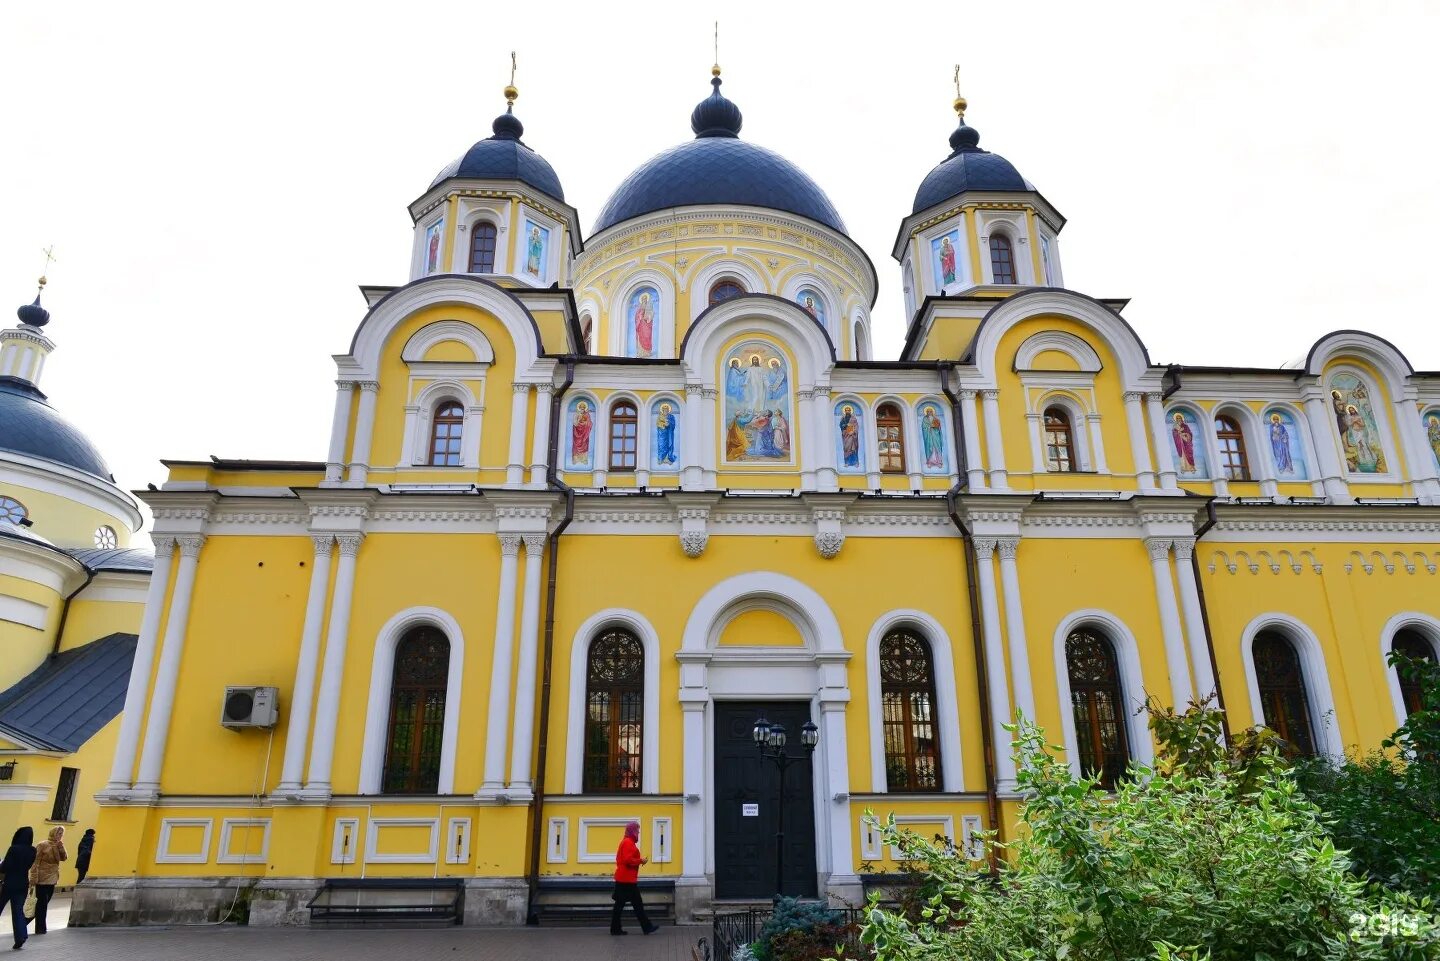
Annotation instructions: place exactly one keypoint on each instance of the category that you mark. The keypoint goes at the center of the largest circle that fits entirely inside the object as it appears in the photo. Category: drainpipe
(553, 482)
(992, 800)
(65, 608)
(1210, 521)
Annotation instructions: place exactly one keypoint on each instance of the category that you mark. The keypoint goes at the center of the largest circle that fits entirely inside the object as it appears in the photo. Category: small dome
(718, 168)
(967, 168)
(33, 314)
(33, 428)
(504, 156)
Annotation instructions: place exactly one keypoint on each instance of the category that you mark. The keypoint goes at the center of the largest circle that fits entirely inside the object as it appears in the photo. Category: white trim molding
(372, 841)
(344, 840)
(947, 716)
(1323, 722)
(224, 854)
(1132, 683)
(557, 841)
(586, 856)
(163, 854)
(637, 624)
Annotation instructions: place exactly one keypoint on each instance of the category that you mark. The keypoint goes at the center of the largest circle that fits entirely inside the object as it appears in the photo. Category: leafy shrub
(823, 943)
(790, 915)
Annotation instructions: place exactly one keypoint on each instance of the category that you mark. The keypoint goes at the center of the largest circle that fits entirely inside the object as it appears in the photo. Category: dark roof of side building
(129, 560)
(66, 700)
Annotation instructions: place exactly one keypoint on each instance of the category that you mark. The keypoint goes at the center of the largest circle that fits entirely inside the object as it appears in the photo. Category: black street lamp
(770, 740)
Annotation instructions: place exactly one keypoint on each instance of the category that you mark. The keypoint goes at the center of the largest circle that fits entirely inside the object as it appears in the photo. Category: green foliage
(1213, 855)
(792, 915)
(1384, 807)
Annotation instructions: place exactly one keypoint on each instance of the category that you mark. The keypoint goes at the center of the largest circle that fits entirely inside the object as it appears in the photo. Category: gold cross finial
(510, 92)
(960, 103)
(715, 70)
(49, 253)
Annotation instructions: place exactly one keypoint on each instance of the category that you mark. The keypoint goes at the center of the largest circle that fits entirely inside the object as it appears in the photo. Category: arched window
(482, 247)
(890, 438)
(1412, 644)
(1059, 440)
(1002, 260)
(12, 510)
(907, 695)
(417, 713)
(725, 290)
(445, 430)
(614, 712)
(1282, 690)
(1232, 448)
(587, 333)
(624, 431)
(1099, 706)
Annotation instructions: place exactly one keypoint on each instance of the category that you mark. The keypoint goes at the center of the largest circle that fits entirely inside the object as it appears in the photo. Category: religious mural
(665, 442)
(943, 250)
(1187, 443)
(758, 411)
(433, 239)
(580, 433)
(848, 425)
(810, 301)
(1355, 421)
(1285, 447)
(932, 439)
(1432, 433)
(537, 248)
(640, 322)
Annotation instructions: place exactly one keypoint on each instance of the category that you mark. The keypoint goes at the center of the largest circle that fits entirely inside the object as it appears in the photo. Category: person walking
(83, 852)
(627, 881)
(15, 868)
(45, 873)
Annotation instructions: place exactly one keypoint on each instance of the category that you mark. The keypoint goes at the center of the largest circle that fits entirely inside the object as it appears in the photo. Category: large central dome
(718, 168)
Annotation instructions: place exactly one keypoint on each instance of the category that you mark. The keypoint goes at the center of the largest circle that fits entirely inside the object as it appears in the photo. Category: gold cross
(512, 68)
(717, 42)
(957, 80)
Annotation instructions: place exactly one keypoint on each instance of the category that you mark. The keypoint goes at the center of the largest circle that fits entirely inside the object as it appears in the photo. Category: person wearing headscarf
(45, 873)
(627, 881)
(15, 868)
(83, 852)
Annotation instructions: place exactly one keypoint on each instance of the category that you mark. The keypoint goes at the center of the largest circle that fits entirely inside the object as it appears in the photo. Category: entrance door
(746, 794)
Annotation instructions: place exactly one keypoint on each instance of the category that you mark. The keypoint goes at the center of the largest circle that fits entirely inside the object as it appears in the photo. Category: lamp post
(770, 740)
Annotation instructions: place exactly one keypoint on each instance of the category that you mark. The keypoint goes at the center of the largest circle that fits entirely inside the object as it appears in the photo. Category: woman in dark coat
(83, 852)
(16, 870)
(627, 880)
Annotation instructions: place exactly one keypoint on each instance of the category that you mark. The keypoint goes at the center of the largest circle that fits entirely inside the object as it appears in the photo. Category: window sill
(57, 821)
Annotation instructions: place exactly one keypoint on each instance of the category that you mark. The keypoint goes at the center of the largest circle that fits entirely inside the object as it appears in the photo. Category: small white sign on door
(749, 810)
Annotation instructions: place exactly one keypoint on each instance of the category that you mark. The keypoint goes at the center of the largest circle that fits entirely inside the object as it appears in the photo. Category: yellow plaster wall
(761, 629)
(64, 522)
(92, 620)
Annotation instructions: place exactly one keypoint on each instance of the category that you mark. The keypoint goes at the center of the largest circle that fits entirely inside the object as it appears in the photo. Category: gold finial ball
(715, 70)
(511, 93)
(960, 106)
(43, 281)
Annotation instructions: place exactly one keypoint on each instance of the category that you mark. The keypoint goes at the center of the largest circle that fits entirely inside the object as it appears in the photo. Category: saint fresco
(1432, 433)
(433, 235)
(932, 439)
(758, 410)
(847, 437)
(640, 327)
(665, 449)
(811, 303)
(537, 244)
(1355, 422)
(1187, 442)
(943, 250)
(1285, 447)
(580, 426)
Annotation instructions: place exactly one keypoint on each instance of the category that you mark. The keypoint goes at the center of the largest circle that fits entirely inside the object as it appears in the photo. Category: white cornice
(40, 564)
(71, 484)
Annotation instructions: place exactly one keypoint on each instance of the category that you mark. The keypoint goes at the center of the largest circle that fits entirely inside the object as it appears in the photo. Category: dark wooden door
(745, 844)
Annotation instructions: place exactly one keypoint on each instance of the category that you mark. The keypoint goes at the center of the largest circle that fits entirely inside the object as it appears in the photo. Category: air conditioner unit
(250, 707)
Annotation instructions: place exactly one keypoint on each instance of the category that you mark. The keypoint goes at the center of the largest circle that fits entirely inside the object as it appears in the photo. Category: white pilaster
(995, 662)
(1160, 434)
(123, 768)
(339, 427)
(1418, 455)
(837, 800)
(1015, 626)
(364, 433)
(804, 414)
(974, 469)
(519, 402)
(302, 696)
(1097, 444)
(1175, 662)
(327, 709)
(1194, 618)
(497, 722)
(1321, 422)
(994, 440)
(692, 472)
(162, 699)
(1139, 446)
(525, 694)
(1037, 445)
(540, 445)
(709, 437)
(692, 708)
(827, 478)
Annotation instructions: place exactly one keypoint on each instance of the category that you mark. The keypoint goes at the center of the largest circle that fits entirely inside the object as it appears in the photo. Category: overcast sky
(217, 181)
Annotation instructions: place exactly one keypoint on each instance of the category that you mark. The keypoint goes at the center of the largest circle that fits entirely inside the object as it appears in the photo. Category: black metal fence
(729, 932)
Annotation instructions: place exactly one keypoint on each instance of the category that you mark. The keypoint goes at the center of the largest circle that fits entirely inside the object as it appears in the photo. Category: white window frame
(1132, 684)
(1324, 725)
(947, 716)
(594, 626)
(1427, 627)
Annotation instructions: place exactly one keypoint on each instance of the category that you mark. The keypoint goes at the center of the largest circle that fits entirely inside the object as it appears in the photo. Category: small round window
(105, 537)
(12, 510)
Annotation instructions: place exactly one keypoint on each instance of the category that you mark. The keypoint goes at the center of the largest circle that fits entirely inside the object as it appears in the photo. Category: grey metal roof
(123, 559)
(29, 425)
(63, 703)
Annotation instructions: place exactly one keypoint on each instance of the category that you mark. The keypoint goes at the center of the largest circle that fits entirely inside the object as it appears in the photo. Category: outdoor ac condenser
(250, 707)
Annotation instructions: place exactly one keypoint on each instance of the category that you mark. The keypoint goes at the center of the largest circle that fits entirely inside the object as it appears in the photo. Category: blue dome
(967, 168)
(504, 157)
(34, 429)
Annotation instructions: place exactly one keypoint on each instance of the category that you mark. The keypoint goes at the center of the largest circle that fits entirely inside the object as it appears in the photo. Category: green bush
(792, 915)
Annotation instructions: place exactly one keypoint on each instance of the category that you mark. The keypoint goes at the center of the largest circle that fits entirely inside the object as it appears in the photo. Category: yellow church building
(593, 506)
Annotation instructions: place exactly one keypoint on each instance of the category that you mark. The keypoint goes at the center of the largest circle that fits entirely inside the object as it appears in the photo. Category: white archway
(947, 714)
(1424, 624)
(1132, 684)
(382, 671)
(637, 624)
(1314, 673)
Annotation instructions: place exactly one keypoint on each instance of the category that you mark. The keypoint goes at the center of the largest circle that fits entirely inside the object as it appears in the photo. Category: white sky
(218, 181)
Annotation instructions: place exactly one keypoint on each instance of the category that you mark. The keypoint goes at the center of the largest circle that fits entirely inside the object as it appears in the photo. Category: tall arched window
(1099, 705)
(624, 431)
(1282, 690)
(907, 696)
(1059, 440)
(725, 289)
(1232, 448)
(587, 333)
(1002, 259)
(1412, 644)
(482, 248)
(446, 429)
(890, 438)
(417, 712)
(614, 712)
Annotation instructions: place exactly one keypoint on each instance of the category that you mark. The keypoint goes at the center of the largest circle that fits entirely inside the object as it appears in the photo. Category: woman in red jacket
(627, 881)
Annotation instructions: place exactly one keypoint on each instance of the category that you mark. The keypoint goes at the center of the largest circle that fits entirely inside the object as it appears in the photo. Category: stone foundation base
(496, 901)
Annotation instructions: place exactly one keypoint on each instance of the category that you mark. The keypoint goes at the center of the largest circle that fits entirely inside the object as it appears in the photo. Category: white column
(974, 469)
(1015, 626)
(994, 663)
(525, 694)
(837, 768)
(1139, 446)
(1037, 445)
(302, 696)
(339, 427)
(709, 424)
(1321, 421)
(1097, 445)
(515, 469)
(994, 441)
(1194, 618)
(1179, 670)
(364, 432)
(804, 414)
(1161, 435)
(327, 709)
(123, 768)
(692, 708)
(691, 474)
(497, 723)
(162, 699)
(540, 445)
(821, 437)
